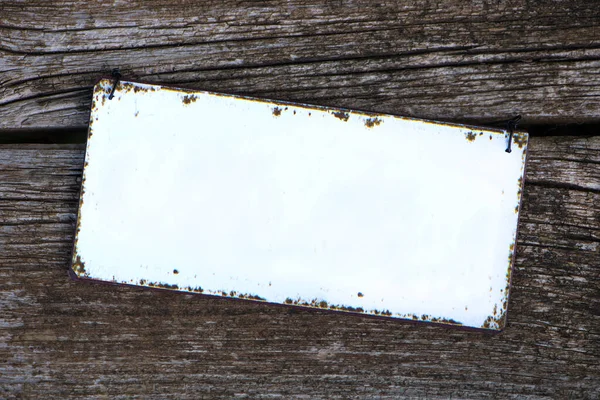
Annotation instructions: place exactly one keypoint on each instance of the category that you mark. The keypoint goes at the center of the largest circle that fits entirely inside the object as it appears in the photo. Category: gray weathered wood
(445, 60)
(61, 338)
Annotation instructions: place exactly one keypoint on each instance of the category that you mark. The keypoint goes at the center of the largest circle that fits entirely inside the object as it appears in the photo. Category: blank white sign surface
(294, 204)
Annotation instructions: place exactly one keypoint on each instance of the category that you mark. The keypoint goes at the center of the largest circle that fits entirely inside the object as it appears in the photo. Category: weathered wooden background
(448, 60)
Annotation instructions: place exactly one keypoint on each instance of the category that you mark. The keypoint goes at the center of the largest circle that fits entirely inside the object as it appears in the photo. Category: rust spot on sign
(371, 122)
(520, 140)
(487, 323)
(495, 322)
(127, 87)
(79, 267)
(250, 297)
(277, 111)
(187, 99)
(314, 303)
(471, 136)
(163, 285)
(98, 89)
(341, 115)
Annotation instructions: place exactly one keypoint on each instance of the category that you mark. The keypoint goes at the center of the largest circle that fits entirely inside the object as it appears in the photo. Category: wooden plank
(452, 60)
(61, 338)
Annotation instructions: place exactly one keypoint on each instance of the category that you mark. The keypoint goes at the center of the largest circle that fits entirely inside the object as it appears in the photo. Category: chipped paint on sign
(301, 205)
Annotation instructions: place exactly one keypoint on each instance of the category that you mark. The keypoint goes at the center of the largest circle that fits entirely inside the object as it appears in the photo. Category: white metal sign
(297, 204)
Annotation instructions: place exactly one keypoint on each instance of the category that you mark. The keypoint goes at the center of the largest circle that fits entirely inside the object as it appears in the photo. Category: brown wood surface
(61, 338)
(445, 60)
(468, 61)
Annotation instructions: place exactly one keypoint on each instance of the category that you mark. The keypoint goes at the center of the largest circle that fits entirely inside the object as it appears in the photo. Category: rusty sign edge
(492, 323)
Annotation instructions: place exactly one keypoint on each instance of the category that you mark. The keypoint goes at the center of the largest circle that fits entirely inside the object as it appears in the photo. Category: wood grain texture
(61, 338)
(446, 60)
